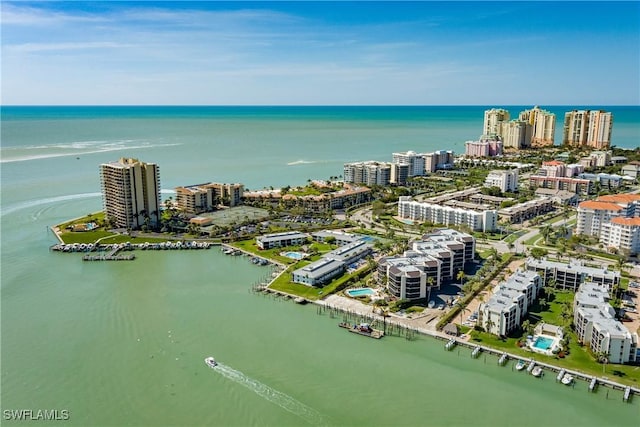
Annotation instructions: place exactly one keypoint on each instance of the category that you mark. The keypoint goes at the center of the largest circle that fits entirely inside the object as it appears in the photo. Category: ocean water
(124, 343)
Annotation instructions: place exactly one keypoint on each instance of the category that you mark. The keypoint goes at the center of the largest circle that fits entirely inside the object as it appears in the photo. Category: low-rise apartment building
(595, 324)
(570, 275)
(523, 211)
(280, 240)
(485, 220)
(332, 264)
(575, 185)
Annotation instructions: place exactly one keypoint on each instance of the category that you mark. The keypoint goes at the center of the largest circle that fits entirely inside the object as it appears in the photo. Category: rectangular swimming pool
(543, 343)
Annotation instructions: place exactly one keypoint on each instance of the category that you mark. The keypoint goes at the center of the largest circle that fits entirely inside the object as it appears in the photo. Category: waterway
(123, 343)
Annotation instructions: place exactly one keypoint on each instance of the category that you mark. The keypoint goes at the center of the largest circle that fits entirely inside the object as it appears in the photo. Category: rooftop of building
(600, 205)
(630, 222)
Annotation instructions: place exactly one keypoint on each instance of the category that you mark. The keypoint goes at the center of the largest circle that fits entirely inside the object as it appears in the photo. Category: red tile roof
(598, 205)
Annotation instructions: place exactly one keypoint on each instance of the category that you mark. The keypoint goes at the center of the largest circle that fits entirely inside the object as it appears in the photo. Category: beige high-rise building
(587, 128)
(516, 134)
(131, 192)
(543, 125)
(493, 119)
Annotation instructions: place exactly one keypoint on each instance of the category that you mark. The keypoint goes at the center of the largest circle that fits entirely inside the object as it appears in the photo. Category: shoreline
(364, 310)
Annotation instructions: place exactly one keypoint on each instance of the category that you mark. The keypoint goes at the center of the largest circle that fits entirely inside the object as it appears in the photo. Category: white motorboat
(567, 379)
(211, 362)
(537, 371)
(521, 365)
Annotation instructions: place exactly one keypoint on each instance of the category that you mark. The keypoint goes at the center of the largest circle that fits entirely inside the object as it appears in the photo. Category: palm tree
(460, 276)
(489, 324)
(462, 308)
(430, 282)
(527, 327)
(546, 231)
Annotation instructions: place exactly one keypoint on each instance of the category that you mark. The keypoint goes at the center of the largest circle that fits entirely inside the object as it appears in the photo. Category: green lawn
(579, 357)
(514, 236)
(532, 241)
(283, 283)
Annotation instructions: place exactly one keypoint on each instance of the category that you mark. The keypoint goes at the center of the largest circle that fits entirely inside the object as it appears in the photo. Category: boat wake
(284, 401)
(301, 162)
(22, 154)
(39, 202)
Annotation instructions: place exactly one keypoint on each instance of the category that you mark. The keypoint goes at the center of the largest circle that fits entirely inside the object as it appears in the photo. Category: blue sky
(321, 53)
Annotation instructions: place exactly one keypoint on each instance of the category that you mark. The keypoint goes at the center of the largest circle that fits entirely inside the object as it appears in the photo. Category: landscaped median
(464, 301)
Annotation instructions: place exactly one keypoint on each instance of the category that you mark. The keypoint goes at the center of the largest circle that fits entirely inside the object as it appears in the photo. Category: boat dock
(503, 359)
(476, 352)
(395, 328)
(362, 329)
(112, 255)
(449, 345)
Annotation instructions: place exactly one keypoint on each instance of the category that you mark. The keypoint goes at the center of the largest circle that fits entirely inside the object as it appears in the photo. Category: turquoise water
(360, 292)
(543, 343)
(123, 343)
(294, 255)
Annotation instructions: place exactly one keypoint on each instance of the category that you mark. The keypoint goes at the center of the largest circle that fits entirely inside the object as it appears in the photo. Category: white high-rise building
(413, 159)
(505, 180)
(131, 192)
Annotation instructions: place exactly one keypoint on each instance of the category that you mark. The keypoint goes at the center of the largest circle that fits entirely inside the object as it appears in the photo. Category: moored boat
(537, 371)
(521, 365)
(567, 379)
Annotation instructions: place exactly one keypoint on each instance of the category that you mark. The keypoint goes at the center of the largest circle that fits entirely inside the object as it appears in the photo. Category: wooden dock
(362, 329)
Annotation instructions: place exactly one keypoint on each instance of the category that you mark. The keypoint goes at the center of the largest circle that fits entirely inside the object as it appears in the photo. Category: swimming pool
(543, 343)
(294, 255)
(359, 292)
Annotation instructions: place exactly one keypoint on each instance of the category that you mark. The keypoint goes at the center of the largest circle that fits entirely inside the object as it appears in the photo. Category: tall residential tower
(588, 128)
(131, 192)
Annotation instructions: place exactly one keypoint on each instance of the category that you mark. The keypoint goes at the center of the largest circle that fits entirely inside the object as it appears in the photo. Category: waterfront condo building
(280, 240)
(435, 259)
(368, 173)
(585, 128)
(509, 303)
(195, 199)
(596, 325)
(486, 146)
(332, 264)
(516, 134)
(505, 180)
(493, 120)
(411, 158)
(569, 276)
(543, 124)
(131, 193)
(438, 160)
